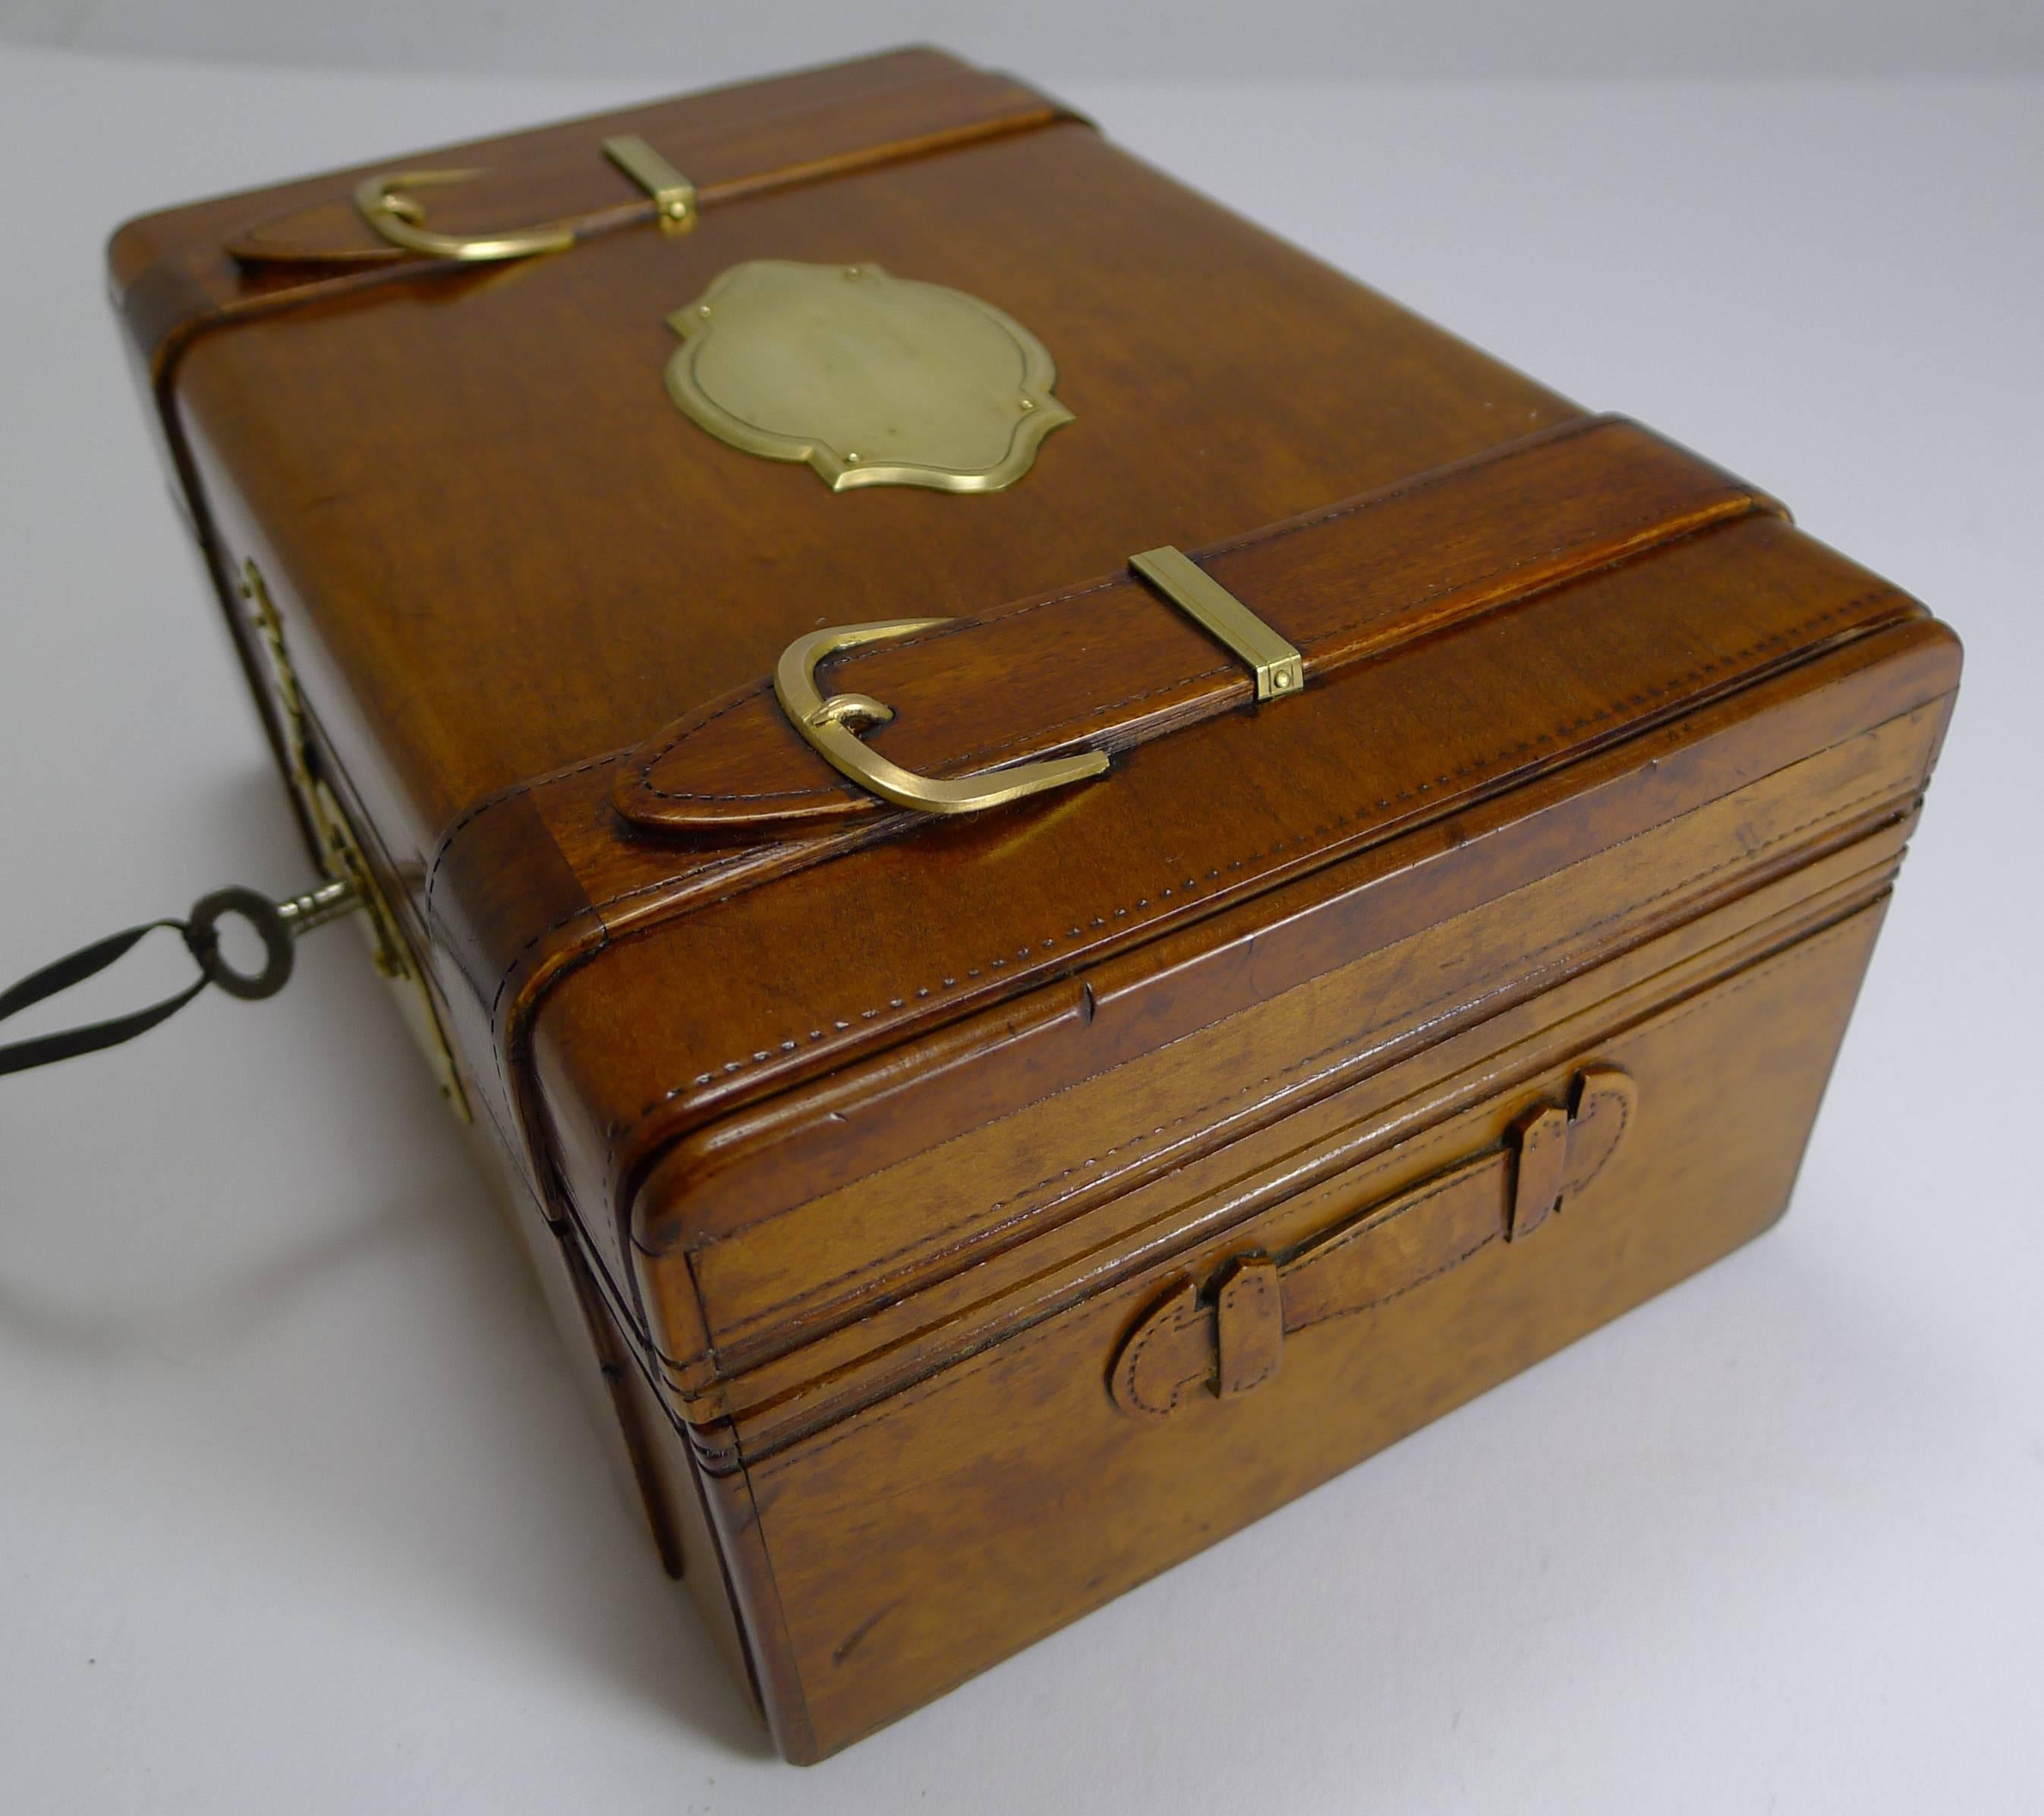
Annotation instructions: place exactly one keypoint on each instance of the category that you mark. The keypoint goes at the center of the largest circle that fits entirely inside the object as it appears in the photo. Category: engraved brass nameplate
(873, 379)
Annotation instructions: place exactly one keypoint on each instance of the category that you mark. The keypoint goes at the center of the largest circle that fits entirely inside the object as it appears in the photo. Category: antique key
(279, 924)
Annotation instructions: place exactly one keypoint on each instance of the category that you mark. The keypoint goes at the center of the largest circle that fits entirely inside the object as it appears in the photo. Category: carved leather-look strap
(734, 143)
(1231, 1339)
(1108, 665)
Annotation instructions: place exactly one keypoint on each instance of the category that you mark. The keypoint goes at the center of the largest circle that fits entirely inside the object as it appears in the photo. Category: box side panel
(938, 1531)
(1183, 1207)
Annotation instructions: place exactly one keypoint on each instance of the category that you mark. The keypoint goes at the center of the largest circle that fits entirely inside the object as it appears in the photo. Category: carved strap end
(1166, 1355)
(1248, 1326)
(1560, 1152)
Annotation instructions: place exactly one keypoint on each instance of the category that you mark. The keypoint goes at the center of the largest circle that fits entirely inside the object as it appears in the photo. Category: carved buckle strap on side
(1077, 678)
(1230, 1338)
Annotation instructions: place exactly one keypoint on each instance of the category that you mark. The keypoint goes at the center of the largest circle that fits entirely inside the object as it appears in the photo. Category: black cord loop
(201, 938)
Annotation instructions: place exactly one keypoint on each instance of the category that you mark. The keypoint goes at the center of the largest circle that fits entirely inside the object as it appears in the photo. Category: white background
(1068, 41)
(298, 1511)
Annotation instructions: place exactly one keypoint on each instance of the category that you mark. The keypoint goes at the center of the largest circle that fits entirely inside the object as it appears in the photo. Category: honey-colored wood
(969, 1219)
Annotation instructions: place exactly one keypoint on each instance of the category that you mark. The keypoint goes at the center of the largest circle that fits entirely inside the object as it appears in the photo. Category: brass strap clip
(1278, 667)
(673, 195)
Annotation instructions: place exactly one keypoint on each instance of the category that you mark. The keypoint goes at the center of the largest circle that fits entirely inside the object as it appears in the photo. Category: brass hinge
(342, 857)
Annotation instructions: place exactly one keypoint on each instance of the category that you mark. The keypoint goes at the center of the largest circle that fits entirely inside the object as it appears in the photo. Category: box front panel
(936, 1532)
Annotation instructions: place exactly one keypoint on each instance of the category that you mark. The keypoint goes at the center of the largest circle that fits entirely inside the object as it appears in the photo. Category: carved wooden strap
(1230, 1338)
(733, 143)
(1105, 666)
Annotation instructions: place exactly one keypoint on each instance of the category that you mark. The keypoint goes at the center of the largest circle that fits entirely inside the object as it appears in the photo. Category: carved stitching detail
(1261, 1281)
(503, 796)
(1411, 1285)
(1626, 1100)
(1316, 1249)
(759, 690)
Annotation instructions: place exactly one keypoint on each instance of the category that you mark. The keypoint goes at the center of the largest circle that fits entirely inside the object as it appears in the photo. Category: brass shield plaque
(873, 379)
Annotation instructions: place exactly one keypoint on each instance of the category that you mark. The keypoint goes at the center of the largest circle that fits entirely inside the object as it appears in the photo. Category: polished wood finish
(965, 1220)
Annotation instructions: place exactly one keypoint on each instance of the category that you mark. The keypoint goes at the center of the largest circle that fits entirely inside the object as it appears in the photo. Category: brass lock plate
(344, 860)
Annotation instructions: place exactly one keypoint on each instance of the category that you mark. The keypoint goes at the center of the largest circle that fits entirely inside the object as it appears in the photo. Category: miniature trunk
(1013, 1059)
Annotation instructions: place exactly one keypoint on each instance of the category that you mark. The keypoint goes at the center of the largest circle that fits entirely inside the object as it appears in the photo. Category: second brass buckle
(830, 726)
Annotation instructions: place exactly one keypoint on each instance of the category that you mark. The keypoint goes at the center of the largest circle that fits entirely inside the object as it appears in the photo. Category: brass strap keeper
(1279, 668)
(673, 195)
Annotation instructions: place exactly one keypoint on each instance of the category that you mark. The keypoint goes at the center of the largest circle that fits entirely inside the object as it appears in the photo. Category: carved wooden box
(1012, 1060)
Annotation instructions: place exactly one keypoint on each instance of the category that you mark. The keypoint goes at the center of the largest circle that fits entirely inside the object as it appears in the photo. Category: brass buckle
(401, 220)
(398, 218)
(828, 724)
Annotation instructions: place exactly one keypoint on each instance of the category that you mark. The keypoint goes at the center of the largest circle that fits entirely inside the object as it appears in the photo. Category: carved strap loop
(1231, 1339)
